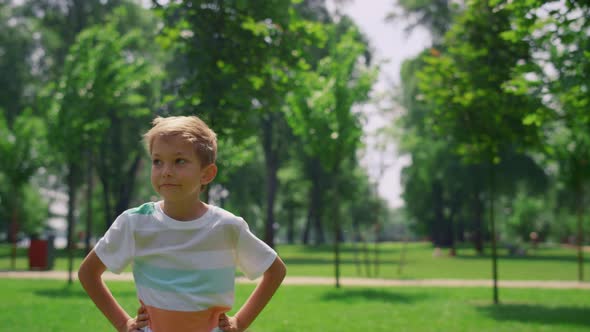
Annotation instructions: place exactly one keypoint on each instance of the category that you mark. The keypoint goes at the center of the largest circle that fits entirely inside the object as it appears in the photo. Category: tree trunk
(478, 223)
(315, 211)
(336, 221)
(106, 201)
(71, 217)
(314, 214)
(451, 230)
(460, 229)
(356, 236)
(103, 175)
(493, 231)
(122, 191)
(580, 237)
(126, 187)
(271, 187)
(318, 226)
(367, 258)
(13, 234)
(439, 219)
(308, 223)
(89, 191)
(290, 225)
(271, 159)
(402, 257)
(376, 249)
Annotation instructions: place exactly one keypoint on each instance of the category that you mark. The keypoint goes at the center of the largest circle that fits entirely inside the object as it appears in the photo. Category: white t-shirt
(184, 271)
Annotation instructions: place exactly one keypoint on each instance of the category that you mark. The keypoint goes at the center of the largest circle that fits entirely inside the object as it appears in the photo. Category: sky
(392, 44)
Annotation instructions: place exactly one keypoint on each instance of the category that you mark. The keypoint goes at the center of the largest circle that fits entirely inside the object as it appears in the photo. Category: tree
(99, 99)
(558, 72)
(436, 16)
(16, 74)
(21, 148)
(285, 47)
(464, 88)
(321, 111)
(428, 178)
(209, 78)
(235, 59)
(58, 23)
(435, 179)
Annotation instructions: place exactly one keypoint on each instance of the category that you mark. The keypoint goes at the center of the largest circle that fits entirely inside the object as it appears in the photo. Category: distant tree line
(497, 122)
(80, 82)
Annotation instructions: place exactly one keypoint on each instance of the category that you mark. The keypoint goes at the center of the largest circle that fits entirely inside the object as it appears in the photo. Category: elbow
(277, 271)
(88, 277)
(90, 270)
(281, 269)
(284, 271)
(82, 274)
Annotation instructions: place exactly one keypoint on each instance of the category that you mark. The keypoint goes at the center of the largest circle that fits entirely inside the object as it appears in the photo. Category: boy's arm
(89, 274)
(271, 280)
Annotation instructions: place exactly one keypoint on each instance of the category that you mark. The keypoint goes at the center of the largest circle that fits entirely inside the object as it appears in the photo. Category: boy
(184, 251)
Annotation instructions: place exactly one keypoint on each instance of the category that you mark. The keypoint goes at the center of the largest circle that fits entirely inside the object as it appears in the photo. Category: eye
(181, 161)
(156, 162)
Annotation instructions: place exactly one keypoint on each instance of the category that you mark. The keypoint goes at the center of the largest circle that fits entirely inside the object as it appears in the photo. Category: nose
(167, 171)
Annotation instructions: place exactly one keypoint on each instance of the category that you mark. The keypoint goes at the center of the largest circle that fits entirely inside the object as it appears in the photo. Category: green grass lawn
(545, 263)
(51, 306)
(541, 264)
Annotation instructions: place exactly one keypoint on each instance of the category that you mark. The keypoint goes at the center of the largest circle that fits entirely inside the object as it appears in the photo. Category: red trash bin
(39, 255)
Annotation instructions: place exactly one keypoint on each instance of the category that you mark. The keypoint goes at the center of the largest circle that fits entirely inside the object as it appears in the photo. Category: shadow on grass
(530, 313)
(530, 258)
(349, 248)
(330, 261)
(69, 292)
(362, 295)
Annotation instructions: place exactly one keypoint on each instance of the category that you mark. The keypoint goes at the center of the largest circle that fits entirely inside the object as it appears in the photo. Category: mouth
(168, 185)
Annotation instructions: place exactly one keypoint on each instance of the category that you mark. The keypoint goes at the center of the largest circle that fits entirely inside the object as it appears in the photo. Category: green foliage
(463, 86)
(527, 213)
(16, 47)
(320, 107)
(435, 15)
(22, 148)
(34, 211)
(56, 24)
(101, 105)
(564, 226)
(102, 78)
(221, 48)
(456, 106)
(241, 171)
(559, 72)
(96, 80)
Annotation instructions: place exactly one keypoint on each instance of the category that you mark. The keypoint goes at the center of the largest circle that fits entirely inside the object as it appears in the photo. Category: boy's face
(177, 173)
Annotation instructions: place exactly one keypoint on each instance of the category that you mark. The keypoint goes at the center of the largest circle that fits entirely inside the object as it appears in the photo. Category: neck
(184, 211)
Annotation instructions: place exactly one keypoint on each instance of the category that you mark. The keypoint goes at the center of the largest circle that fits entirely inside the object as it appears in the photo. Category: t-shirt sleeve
(253, 256)
(116, 248)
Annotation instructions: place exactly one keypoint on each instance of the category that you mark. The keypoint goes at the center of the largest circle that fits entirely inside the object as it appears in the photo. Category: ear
(208, 174)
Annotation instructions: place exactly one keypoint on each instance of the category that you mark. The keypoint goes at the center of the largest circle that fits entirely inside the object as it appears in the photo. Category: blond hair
(191, 128)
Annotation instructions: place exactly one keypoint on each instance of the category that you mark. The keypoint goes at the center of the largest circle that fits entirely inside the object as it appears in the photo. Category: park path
(364, 282)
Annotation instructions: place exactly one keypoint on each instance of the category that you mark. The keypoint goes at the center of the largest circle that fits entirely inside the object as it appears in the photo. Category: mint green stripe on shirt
(145, 209)
(212, 281)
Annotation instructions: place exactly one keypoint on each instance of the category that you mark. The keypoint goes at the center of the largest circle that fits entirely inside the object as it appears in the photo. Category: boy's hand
(229, 324)
(140, 321)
